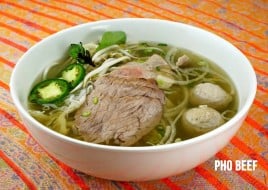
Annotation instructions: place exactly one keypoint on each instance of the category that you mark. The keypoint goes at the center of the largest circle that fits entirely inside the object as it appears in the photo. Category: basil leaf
(74, 50)
(80, 54)
(111, 38)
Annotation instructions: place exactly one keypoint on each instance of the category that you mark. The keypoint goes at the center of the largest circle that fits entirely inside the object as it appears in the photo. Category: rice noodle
(73, 102)
(221, 79)
(166, 135)
(99, 55)
(171, 112)
(127, 54)
(173, 128)
(176, 78)
(49, 67)
(170, 56)
(105, 65)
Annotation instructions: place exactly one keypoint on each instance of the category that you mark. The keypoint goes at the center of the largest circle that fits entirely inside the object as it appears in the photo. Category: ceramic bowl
(134, 163)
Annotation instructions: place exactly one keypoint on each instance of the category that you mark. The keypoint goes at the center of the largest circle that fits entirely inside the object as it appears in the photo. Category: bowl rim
(242, 112)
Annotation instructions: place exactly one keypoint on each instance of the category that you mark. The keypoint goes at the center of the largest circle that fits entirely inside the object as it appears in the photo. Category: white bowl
(134, 163)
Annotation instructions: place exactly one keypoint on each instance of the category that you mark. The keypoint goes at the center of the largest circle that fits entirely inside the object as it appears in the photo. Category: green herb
(161, 130)
(86, 113)
(144, 44)
(160, 82)
(162, 44)
(157, 68)
(152, 138)
(80, 54)
(95, 100)
(111, 38)
(148, 51)
(164, 82)
(202, 63)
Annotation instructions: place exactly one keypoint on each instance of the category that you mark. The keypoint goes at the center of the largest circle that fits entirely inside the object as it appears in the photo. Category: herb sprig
(80, 54)
(111, 38)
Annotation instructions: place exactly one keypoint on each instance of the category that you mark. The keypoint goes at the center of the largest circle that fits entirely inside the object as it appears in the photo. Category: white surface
(134, 163)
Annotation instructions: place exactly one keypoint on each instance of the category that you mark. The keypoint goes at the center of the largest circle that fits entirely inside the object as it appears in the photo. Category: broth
(176, 83)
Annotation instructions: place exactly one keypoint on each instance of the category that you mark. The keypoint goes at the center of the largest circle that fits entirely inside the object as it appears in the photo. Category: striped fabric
(25, 165)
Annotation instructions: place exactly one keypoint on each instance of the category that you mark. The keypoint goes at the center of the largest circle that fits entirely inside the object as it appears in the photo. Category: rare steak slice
(124, 105)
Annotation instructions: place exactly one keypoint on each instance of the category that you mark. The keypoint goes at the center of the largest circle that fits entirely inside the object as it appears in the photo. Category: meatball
(210, 94)
(199, 120)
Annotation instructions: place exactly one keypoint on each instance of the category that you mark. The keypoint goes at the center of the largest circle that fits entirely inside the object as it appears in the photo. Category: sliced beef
(141, 70)
(134, 69)
(125, 105)
(155, 61)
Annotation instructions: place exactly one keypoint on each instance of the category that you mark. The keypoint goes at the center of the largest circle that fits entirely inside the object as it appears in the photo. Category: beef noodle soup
(119, 93)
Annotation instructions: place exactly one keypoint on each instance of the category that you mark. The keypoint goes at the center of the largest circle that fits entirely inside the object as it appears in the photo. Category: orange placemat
(25, 165)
